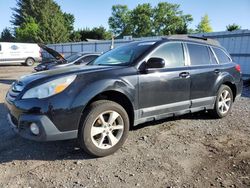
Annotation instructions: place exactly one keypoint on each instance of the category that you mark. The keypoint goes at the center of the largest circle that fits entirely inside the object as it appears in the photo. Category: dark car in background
(129, 85)
(59, 61)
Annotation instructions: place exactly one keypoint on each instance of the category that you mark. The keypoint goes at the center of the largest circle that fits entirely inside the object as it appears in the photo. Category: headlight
(50, 88)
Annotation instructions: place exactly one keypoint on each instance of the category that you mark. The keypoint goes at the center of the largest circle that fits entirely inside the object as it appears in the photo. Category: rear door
(165, 90)
(204, 70)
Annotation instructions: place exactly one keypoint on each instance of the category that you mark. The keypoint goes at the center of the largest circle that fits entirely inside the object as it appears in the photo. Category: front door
(165, 90)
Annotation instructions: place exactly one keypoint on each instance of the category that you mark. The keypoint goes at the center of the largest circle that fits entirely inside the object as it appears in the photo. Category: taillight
(237, 67)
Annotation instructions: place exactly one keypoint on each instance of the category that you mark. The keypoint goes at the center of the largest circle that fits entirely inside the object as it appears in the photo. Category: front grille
(14, 91)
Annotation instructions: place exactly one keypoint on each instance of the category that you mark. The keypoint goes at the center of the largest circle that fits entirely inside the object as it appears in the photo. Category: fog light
(34, 128)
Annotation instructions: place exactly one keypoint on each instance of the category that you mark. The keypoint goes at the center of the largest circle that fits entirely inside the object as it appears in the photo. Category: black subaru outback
(136, 83)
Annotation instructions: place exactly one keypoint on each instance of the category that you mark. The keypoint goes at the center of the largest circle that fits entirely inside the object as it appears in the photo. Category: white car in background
(24, 53)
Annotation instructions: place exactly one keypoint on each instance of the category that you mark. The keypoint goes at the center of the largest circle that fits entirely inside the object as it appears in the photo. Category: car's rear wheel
(224, 102)
(104, 128)
(29, 62)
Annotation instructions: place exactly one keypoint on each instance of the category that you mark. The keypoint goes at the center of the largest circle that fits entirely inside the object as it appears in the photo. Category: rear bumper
(47, 130)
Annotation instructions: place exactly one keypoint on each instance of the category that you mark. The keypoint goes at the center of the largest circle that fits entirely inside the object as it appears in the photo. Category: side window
(89, 58)
(172, 53)
(0, 47)
(212, 57)
(199, 54)
(222, 57)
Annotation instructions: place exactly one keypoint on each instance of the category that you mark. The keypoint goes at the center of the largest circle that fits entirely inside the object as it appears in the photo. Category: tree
(98, 33)
(232, 27)
(204, 26)
(183, 27)
(28, 31)
(6, 36)
(119, 22)
(140, 20)
(169, 19)
(75, 36)
(53, 25)
(145, 20)
(69, 21)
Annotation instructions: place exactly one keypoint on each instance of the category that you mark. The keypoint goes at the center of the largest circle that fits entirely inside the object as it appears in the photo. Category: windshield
(123, 55)
(73, 57)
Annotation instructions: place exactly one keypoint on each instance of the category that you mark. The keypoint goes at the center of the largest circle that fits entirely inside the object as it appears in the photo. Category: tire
(224, 102)
(29, 62)
(99, 134)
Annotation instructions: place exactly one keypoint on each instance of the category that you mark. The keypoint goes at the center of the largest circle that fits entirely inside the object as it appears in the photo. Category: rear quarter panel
(228, 74)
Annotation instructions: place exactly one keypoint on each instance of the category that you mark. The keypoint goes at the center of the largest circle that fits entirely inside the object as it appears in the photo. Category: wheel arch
(30, 58)
(115, 96)
(232, 87)
(226, 79)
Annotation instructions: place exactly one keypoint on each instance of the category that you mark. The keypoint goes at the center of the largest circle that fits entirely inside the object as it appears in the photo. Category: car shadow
(246, 89)
(6, 81)
(11, 65)
(13, 147)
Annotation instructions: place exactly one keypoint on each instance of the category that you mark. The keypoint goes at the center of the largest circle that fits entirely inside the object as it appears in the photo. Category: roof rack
(197, 37)
(193, 38)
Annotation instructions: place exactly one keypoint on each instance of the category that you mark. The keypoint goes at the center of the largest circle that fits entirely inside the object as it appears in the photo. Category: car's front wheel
(224, 102)
(104, 128)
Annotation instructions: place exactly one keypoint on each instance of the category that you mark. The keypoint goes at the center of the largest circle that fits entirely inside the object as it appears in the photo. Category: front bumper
(47, 130)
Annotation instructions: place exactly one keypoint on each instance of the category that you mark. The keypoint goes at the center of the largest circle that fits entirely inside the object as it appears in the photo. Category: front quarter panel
(89, 86)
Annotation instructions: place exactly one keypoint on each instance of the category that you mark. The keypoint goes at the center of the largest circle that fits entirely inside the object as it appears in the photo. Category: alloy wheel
(224, 102)
(107, 129)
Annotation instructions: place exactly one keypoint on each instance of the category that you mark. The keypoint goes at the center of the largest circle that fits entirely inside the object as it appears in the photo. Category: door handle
(217, 71)
(184, 75)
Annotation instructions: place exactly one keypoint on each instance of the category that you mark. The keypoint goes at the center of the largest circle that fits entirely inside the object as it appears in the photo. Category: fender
(222, 78)
(90, 91)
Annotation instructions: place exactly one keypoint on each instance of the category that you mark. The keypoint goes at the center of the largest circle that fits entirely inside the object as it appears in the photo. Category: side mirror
(155, 63)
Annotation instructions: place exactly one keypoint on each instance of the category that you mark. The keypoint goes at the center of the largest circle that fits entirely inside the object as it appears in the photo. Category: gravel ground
(189, 151)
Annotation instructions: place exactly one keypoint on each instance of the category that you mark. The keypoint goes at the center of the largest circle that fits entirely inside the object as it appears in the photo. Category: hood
(53, 74)
(52, 52)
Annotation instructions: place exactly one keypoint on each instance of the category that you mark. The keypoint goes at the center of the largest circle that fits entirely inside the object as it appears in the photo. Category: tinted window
(123, 55)
(73, 57)
(0, 48)
(89, 58)
(172, 53)
(222, 57)
(199, 54)
(212, 57)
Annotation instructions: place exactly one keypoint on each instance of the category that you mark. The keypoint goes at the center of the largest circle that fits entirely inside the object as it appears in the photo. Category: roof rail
(192, 38)
(197, 37)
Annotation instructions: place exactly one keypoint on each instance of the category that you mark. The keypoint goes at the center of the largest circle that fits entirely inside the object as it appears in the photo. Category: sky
(94, 13)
